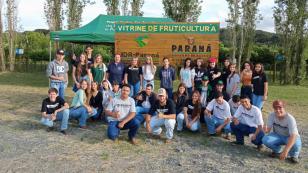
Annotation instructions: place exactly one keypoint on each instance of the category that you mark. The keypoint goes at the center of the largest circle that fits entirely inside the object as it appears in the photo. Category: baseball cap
(220, 82)
(161, 91)
(212, 59)
(60, 52)
(205, 78)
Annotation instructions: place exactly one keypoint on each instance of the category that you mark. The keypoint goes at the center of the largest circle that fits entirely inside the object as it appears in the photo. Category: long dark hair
(177, 93)
(262, 68)
(232, 74)
(184, 64)
(197, 105)
(247, 62)
(79, 68)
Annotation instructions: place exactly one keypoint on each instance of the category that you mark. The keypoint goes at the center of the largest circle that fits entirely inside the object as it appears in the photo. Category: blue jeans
(79, 113)
(86, 77)
(242, 130)
(212, 122)
(247, 90)
(98, 113)
(180, 118)
(60, 86)
(189, 91)
(139, 111)
(145, 83)
(134, 89)
(61, 116)
(113, 130)
(257, 100)
(274, 141)
(169, 93)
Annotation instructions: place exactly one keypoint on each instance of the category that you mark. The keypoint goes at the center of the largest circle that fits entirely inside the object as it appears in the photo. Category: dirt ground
(25, 146)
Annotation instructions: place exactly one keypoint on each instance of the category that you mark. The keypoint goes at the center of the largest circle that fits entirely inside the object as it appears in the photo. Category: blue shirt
(116, 72)
(166, 76)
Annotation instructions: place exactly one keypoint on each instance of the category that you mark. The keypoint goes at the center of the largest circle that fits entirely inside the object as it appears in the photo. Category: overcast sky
(31, 13)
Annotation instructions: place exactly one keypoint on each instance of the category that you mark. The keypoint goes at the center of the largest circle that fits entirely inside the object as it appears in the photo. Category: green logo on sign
(142, 40)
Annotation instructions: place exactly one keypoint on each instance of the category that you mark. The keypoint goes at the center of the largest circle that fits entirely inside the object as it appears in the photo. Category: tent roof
(100, 30)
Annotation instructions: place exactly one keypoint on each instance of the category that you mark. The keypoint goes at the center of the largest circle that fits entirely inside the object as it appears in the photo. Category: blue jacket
(166, 76)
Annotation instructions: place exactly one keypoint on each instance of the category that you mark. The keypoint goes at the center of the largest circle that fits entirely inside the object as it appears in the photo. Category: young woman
(81, 72)
(98, 69)
(187, 75)
(106, 90)
(180, 97)
(213, 72)
(133, 77)
(260, 86)
(96, 100)
(89, 54)
(80, 108)
(191, 113)
(148, 72)
(246, 76)
(200, 72)
(233, 81)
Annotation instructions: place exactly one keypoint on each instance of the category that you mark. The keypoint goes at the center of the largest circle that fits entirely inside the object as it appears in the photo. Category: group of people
(123, 96)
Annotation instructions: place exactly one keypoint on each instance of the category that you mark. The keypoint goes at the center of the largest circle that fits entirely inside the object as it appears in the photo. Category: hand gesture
(160, 115)
(121, 125)
(283, 155)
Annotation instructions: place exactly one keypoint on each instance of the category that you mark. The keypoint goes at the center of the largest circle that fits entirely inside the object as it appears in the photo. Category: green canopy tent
(101, 30)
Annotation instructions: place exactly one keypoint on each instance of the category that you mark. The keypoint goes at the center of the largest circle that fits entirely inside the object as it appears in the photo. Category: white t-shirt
(146, 103)
(252, 117)
(125, 107)
(203, 96)
(233, 106)
(221, 111)
(147, 72)
(187, 75)
(284, 127)
(231, 82)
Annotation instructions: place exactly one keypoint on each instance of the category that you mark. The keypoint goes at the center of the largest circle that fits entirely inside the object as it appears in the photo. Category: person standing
(246, 77)
(133, 77)
(233, 81)
(214, 73)
(54, 108)
(260, 86)
(162, 113)
(284, 132)
(89, 55)
(57, 72)
(148, 72)
(225, 71)
(115, 71)
(98, 69)
(166, 77)
(187, 74)
(121, 116)
(247, 121)
(81, 71)
(200, 72)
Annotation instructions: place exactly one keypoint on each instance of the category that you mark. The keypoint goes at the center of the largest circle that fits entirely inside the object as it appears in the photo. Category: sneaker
(63, 132)
(49, 129)
(294, 159)
(133, 141)
(274, 155)
(260, 147)
(237, 143)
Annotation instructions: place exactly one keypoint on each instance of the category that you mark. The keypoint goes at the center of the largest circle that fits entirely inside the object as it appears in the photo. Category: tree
(183, 10)
(11, 22)
(136, 7)
(2, 58)
(233, 23)
(54, 14)
(291, 26)
(74, 12)
(112, 7)
(124, 7)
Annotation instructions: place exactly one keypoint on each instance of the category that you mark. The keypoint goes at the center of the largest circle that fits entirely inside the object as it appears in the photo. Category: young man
(219, 87)
(57, 73)
(54, 108)
(284, 133)
(218, 116)
(145, 99)
(234, 103)
(115, 70)
(166, 77)
(225, 71)
(161, 113)
(247, 121)
(133, 77)
(121, 112)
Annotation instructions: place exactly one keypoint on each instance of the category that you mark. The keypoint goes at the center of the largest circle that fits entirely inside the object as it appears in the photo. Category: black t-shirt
(199, 73)
(49, 107)
(133, 74)
(190, 106)
(96, 101)
(211, 72)
(83, 69)
(224, 75)
(180, 103)
(258, 81)
(168, 109)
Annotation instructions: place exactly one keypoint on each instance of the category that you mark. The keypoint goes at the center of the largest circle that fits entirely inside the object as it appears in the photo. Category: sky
(31, 13)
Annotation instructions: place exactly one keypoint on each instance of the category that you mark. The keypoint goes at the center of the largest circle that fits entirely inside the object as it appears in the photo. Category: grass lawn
(25, 145)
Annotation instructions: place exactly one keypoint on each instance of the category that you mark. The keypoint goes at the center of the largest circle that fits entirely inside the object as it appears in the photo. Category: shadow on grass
(37, 79)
